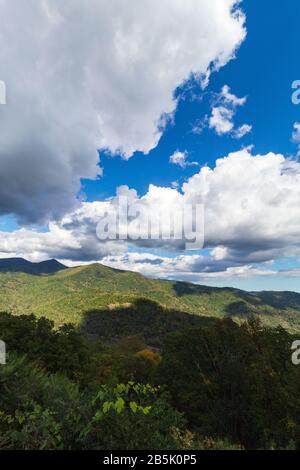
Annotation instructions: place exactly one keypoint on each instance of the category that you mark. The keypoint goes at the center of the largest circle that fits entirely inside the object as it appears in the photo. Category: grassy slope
(66, 295)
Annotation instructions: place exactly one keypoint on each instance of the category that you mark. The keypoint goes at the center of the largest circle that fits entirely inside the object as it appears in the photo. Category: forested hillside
(104, 359)
(74, 295)
(218, 386)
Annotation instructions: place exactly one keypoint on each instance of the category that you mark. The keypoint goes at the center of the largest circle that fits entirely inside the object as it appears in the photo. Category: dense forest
(216, 385)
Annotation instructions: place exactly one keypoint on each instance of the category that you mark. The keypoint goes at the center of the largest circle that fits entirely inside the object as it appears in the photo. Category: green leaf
(146, 410)
(119, 405)
(106, 407)
(133, 406)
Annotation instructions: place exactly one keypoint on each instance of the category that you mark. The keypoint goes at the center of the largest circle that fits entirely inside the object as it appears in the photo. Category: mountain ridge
(22, 265)
(67, 294)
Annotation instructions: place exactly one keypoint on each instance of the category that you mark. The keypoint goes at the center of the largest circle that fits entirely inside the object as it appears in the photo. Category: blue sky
(266, 65)
(262, 72)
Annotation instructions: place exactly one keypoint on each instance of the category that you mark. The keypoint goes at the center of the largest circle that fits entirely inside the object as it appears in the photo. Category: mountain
(100, 298)
(20, 265)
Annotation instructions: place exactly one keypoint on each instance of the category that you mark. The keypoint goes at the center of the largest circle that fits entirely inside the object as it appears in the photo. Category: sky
(167, 103)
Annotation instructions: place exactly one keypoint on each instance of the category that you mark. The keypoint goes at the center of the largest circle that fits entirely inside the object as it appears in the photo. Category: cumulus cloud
(221, 120)
(223, 112)
(180, 159)
(194, 268)
(251, 210)
(251, 205)
(252, 217)
(229, 98)
(96, 74)
(73, 239)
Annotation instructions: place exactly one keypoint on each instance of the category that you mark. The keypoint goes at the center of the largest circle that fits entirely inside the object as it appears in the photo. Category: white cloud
(242, 131)
(195, 268)
(251, 205)
(229, 98)
(223, 112)
(180, 158)
(73, 238)
(82, 75)
(252, 216)
(219, 253)
(221, 120)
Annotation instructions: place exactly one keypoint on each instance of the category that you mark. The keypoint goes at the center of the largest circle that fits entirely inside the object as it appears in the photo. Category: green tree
(234, 382)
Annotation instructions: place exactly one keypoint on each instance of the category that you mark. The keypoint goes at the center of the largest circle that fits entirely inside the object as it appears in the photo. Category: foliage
(215, 385)
(132, 416)
(41, 411)
(235, 382)
(38, 411)
(63, 350)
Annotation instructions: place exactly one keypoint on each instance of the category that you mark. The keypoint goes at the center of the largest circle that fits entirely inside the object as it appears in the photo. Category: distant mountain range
(108, 301)
(20, 265)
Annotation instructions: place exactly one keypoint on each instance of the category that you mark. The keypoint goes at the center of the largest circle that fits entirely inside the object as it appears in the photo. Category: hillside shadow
(185, 288)
(280, 300)
(247, 302)
(239, 308)
(144, 318)
(264, 302)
